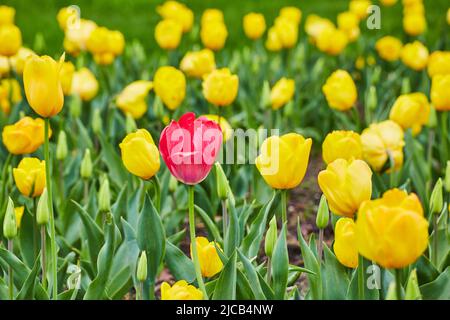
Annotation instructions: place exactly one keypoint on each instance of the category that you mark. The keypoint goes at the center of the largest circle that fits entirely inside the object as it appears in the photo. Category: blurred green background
(137, 18)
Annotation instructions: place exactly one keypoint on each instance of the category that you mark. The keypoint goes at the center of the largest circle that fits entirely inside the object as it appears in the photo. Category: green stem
(361, 278)
(43, 257)
(398, 284)
(4, 171)
(198, 271)
(157, 186)
(283, 206)
(224, 217)
(320, 245)
(11, 271)
(50, 208)
(435, 240)
(444, 135)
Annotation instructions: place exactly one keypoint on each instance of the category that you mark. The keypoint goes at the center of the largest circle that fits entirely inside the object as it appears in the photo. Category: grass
(137, 18)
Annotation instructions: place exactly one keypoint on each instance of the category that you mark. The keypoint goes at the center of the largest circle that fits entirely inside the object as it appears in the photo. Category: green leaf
(232, 237)
(439, 289)
(412, 291)
(29, 241)
(210, 225)
(280, 265)
(225, 288)
(252, 276)
(334, 276)
(113, 162)
(180, 266)
(27, 290)
(120, 284)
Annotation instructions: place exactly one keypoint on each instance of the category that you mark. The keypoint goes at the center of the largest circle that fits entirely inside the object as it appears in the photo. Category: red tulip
(190, 146)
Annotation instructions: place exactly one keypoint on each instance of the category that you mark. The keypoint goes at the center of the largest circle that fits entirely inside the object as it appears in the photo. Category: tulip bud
(141, 272)
(39, 43)
(104, 196)
(406, 85)
(222, 182)
(173, 183)
(42, 212)
(436, 199)
(75, 106)
(318, 68)
(158, 107)
(412, 287)
(97, 121)
(9, 222)
(289, 109)
(432, 120)
(322, 213)
(376, 75)
(265, 95)
(271, 237)
(447, 177)
(372, 100)
(130, 124)
(61, 146)
(86, 165)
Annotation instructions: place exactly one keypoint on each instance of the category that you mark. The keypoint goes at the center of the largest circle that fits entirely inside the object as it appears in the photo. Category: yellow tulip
(411, 111)
(25, 136)
(282, 92)
(7, 15)
(42, 82)
(18, 211)
(287, 31)
(254, 25)
(213, 35)
(439, 63)
(341, 144)
(67, 71)
(168, 34)
(117, 42)
(67, 16)
(84, 84)
(220, 87)
(210, 263)
(392, 231)
(211, 15)
(332, 41)
(283, 160)
(448, 16)
(10, 93)
(132, 98)
(359, 7)
(273, 42)
(172, 10)
(344, 245)
(170, 86)
(140, 154)
(340, 90)
(440, 94)
(30, 177)
(223, 123)
(198, 63)
(346, 184)
(105, 45)
(10, 40)
(348, 22)
(389, 48)
(415, 55)
(388, 3)
(414, 24)
(381, 140)
(292, 13)
(76, 39)
(315, 25)
(413, 7)
(4, 66)
(18, 60)
(181, 290)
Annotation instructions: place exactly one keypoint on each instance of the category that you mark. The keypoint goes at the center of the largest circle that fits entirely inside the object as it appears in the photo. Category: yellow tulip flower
(42, 82)
(170, 86)
(105, 45)
(76, 39)
(292, 13)
(254, 25)
(411, 111)
(84, 84)
(210, 263)
(332, 41)
(211, 15)
(287, 31)
(348, 22)
(140, 154)
(414, 24)
(67, 16)
(346, 184)
(220, 87)
(10, 40)
(389, 48)
(440, 94)
(10, 93)
(132, 98)
(30, 177)
(439, 63)
(392, 231)
(448, 16)
(198, 63)
(340, 90)
(388, 3)
(415, 55)
(282, 92)
(67, 71)
(227, 130)
(380, 141)
(315, 25)
(273, 42)
(25, 136)
(344, 245)
(172, 10)
(18, 60)
(7, 15)
(359, 7)
(214, 35)
(283, 160)
(181, 290)
(18, 211)
(168, 34)
(341, 144)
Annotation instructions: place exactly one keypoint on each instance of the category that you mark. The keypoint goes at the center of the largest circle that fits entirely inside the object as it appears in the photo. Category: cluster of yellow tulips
(374, 121)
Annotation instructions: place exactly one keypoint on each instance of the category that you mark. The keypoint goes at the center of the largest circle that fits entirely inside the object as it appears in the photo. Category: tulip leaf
(439, 289)
(84, 140)
(244, 288)
(252, 276)
(372, 281)
(27, 290)
(232, 236)
(180, 266)
(151, 238)
(112, 160)
(210, 225)
(280, 265)
(28, 238)
(119, 208)
(4, 290)
(335, 279)
(426, 271)
(225, 288)
(120, 283)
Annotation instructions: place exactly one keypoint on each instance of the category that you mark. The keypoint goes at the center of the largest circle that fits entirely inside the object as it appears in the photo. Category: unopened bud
(104, 196)
(271, 237)
(42, 212)
(265, 95)
(9, 222)
(432, 118)
(412, 291)
(436, 199)
(97, 122)
(406, 85)
(61, 146)
(158, 107)
(372, 99)
(141, 272)
(173, 184)
(86, 165)
(323, 215)
(75, 106)
(222, 182)
(130, 124)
